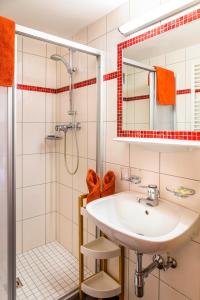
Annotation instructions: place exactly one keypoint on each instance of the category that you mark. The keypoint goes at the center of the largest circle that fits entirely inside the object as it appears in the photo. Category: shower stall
(58, 131)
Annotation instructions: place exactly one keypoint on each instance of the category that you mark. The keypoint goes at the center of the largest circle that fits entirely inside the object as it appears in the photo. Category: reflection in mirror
(135, 98)
(177, 50)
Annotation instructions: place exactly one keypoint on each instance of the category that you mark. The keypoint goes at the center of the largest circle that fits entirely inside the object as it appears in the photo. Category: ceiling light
(158, 14)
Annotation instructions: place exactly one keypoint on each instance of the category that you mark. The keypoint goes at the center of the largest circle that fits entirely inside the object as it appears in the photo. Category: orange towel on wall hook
(7, 51)
(108, 184)
(94, 185)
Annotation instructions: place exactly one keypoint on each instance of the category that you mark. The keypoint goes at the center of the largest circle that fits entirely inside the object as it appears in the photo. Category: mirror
(177, 50)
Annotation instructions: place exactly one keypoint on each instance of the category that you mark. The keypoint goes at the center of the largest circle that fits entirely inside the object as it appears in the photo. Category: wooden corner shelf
(101, 284)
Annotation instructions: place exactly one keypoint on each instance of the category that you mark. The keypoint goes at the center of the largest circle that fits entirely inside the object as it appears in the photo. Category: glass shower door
(7, 217)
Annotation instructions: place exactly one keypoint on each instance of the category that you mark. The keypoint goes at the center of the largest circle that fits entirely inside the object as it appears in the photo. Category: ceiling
(60, 17)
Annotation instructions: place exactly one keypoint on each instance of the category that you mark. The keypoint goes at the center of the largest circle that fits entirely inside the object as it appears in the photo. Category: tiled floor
(47, 272)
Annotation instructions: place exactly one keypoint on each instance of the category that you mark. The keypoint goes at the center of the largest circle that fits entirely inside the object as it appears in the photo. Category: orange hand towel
(108, 184)
(7, 45)
(166, 89)
(93, 183)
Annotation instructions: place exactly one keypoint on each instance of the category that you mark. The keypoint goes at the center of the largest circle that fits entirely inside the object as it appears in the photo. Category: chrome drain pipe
(141, 274)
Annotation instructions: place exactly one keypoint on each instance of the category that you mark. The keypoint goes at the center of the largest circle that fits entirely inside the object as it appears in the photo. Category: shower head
(57, 57)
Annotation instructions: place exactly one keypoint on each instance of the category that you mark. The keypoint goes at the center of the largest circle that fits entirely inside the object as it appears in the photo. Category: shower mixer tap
(70, 125)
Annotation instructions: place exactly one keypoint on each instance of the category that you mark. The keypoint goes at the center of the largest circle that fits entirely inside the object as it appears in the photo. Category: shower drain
(18, 283)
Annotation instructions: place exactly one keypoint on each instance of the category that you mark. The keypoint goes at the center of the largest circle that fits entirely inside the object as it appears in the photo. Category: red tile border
(110, 76)
(143, 97)
(36, 88)
(77, 85)
(181, 135)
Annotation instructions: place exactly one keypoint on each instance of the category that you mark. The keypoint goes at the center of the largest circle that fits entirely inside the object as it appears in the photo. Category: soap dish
(181, 191)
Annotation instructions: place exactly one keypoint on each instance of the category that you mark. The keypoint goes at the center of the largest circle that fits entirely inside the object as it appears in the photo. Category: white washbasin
(141, 227)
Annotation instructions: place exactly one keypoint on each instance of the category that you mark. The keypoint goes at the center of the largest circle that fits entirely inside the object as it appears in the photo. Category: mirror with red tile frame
(159, 81)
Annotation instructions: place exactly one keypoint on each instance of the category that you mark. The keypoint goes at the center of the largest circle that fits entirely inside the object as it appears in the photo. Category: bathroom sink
(141, 227)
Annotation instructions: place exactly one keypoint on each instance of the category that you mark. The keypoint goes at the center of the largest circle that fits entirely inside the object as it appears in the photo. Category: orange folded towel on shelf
(93, 183)
(108, 184)
(166, 88)
(7, 45)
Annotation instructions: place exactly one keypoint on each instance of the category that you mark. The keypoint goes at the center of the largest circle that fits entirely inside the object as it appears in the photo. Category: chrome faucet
(152, 197)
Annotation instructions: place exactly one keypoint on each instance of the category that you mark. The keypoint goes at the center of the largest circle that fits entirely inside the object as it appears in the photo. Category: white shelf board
(101, 285)
(161, 145)
(101, 248)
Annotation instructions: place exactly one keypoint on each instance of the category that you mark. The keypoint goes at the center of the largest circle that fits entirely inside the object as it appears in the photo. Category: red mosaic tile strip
(36, 88)
(84, 83)
(181, 135)
(143, 97)
(62, 89)
(77, 85)
(110, 76)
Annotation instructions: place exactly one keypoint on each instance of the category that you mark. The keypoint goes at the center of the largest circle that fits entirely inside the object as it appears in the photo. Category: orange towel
(166, 90)
(93, 183)
(7, 45)
(108, 184)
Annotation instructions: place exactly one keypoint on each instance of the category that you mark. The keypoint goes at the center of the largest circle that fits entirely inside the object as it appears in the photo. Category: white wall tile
(80, 103)
(33, 138)
(181, 164)
(19, 67)
(64, 232)
(113, 38)
(33, 70)
(167, 293)
(33, 201)
(33, 106)
(143, 159)
(64, 203)
(51, 49)
(63, 176)
(50, 167)
(51, 107)
(82, 136)
(111, 100)
(79, 182)
(175, 56)
(91, 140)
(33, 232)
(19, 237)
(34, 46)
(50, 227)
(92, 102)
(18, 204)
(18, 106)
(188, 259)
(115, 152)
(50, 145)
(51, 197)
(51, 74)
(97, 29)
(33, 169)
(19, 138)
(18, 171)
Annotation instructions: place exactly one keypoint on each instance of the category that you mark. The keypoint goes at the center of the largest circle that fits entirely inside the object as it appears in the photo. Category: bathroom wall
(164, 169)
(35, 157)
(47, 196)
(69, 187)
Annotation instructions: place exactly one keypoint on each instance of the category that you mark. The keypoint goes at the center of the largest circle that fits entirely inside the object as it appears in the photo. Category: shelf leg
(121, 273)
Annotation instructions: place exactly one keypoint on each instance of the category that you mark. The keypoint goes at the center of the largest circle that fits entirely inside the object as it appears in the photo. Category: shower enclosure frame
(35, 34)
